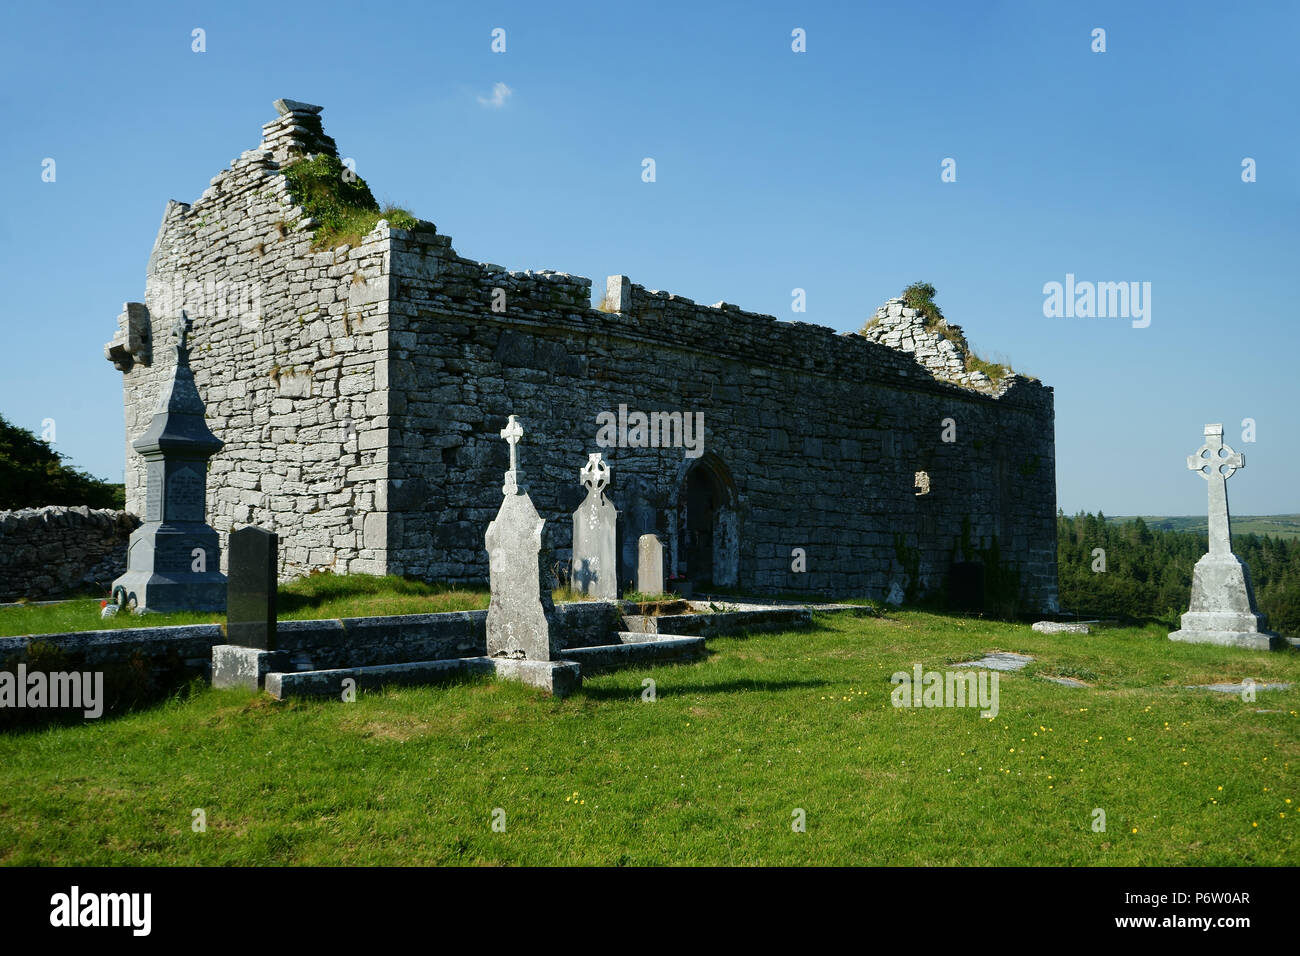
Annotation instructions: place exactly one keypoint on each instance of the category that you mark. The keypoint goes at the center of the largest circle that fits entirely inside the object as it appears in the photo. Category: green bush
(32, 475)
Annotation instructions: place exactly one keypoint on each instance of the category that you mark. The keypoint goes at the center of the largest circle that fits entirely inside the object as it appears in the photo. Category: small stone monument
(250, 612)
(516, 618)
(252, 567)
(650, 565)
(594, 567)
(1222, 609)
(173, 560)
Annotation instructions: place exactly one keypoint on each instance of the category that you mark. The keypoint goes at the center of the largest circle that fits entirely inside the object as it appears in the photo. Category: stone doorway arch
(708, 539)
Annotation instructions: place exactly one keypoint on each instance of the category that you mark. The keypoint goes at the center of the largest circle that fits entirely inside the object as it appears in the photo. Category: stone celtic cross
(594, 474)
(1216, 463)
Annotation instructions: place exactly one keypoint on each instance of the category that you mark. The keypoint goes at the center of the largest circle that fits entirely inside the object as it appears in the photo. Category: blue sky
(775, 170)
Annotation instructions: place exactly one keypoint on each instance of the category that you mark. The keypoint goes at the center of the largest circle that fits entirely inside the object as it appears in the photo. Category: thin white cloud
(500, 93)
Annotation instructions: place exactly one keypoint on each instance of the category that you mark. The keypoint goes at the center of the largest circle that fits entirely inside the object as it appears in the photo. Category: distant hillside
(1279, 526)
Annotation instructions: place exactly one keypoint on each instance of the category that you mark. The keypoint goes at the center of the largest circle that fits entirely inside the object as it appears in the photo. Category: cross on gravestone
(251, 588)
(514, 477)
(181, 330)
(1216, 463)
(512, 433)
(594, 568)
(594, 474)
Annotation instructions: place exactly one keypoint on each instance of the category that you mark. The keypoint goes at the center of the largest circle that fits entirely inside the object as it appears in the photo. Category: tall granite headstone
(650, 565)
(594, 569)
(1222, 608)
(252, 567)
(174, 557)
(517, 614)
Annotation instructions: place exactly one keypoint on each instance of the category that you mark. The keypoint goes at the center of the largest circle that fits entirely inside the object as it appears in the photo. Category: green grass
(644, 597)
(315, 597)
(708, 773)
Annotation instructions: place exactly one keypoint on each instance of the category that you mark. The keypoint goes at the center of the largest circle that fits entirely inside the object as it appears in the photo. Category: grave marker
(593, 570)
(1222, 608)
(516, 619)
(173, 560)
(251, 588)
(650, 565)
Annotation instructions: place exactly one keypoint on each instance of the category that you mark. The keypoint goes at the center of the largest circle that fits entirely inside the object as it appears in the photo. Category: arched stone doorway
(707, 530)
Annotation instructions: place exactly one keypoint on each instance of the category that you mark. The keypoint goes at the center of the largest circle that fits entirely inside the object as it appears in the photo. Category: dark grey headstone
(250, 596)
(174, 558)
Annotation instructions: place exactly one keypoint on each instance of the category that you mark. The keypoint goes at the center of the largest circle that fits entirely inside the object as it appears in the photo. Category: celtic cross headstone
(593, 570)
(1222, 609)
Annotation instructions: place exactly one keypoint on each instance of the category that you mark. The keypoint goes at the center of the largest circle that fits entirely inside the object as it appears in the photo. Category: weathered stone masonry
(51, 552)
(360, 392)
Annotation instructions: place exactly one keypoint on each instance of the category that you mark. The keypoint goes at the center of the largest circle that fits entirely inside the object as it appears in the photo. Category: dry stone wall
(903, 328)
(53, 552)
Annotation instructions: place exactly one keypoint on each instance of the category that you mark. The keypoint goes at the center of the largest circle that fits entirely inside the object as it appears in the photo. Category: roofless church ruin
(360, 387)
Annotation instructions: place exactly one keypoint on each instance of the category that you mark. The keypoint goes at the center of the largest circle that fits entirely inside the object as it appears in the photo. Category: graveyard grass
(710, 772)
(320, 596)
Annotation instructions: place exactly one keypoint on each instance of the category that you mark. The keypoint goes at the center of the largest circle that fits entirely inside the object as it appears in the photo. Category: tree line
(32, 475)
(1148, 572)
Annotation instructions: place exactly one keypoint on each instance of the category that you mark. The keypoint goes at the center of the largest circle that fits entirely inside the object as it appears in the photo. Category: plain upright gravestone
(516, 620)
(1222, 608)
(594, 569)
(251, 649)
(252, 566)
(650, 565)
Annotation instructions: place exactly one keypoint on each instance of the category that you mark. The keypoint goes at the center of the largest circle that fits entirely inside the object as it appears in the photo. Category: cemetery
(691, 644)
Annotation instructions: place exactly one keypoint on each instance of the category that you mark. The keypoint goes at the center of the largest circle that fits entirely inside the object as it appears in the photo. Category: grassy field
(319, 596)
(711, 771)
(1279, 526)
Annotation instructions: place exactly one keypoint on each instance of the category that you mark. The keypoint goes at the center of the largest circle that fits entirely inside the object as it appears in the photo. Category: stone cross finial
(512, 433)
(594, 474)
(1216, 463)
(514, 477)
(181, 329)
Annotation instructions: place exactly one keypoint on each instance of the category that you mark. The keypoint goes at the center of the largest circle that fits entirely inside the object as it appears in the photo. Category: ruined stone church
(360, 390)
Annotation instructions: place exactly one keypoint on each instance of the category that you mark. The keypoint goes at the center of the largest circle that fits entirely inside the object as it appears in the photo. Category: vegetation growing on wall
(339, 201)
(920, 296)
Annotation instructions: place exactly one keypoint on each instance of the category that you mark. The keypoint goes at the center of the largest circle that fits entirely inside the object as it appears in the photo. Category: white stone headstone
(516, 618)
(650, 565)
(1222, 609)
(594, 569)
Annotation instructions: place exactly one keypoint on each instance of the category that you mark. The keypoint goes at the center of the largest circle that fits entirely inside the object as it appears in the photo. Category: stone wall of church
(820, 435)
